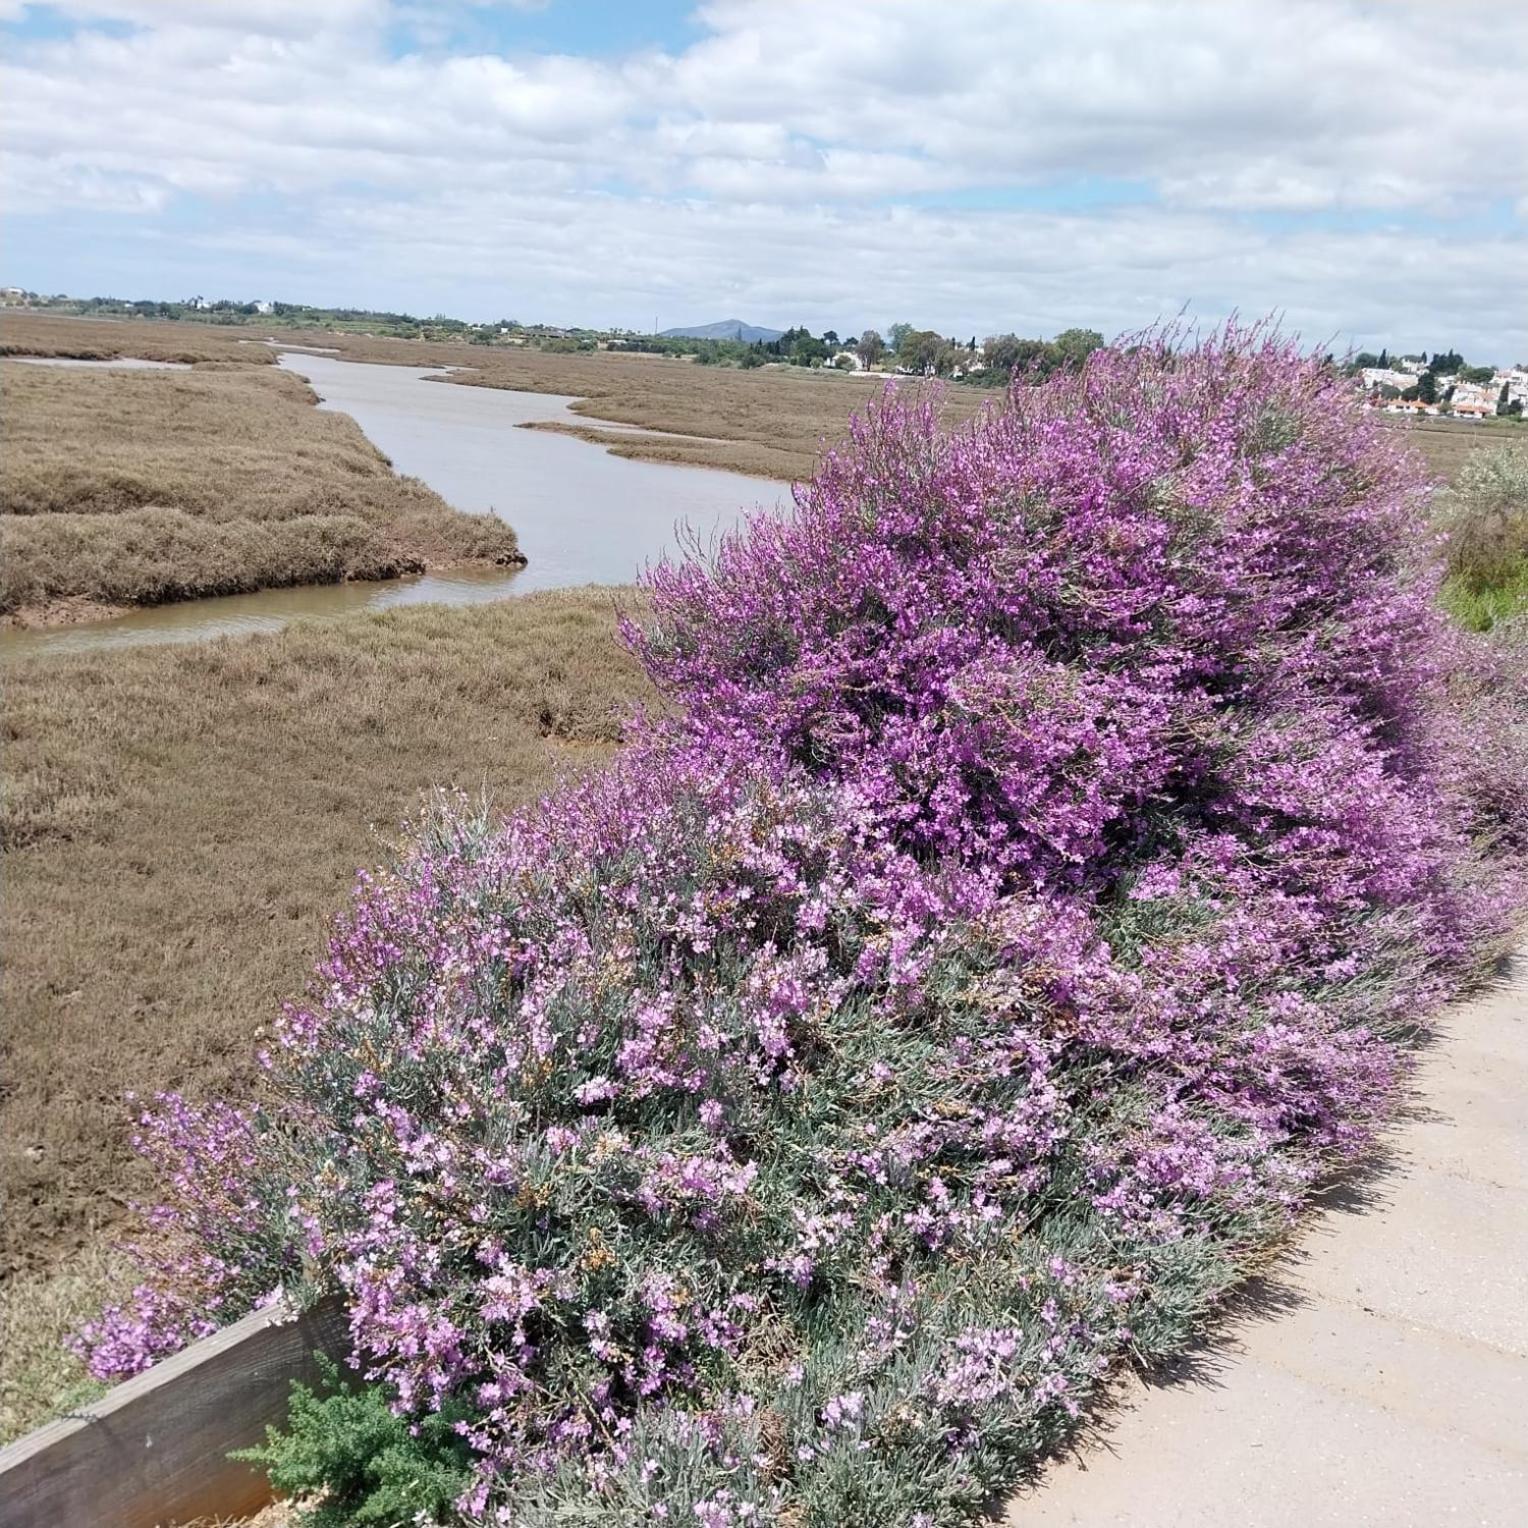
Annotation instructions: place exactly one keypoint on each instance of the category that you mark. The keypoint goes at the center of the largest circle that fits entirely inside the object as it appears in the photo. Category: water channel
(582, 515)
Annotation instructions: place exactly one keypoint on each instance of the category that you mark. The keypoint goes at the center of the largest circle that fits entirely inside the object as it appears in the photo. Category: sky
(1357, 167)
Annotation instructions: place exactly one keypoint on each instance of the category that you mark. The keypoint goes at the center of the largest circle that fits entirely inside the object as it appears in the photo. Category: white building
(1475, 393)
(1515, 381)
(1386, 376)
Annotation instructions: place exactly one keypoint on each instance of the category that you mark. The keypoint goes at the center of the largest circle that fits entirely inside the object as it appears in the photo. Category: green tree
(1008, 355)
(921, 350)
(870, 348)
(1427, 387)
(1074, 346)
(800, 347)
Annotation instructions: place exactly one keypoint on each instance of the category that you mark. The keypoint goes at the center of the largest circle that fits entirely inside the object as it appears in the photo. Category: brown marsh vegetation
(1446, 445)
(179, 825)
(770, 422)
(136, 487)
(107, 339)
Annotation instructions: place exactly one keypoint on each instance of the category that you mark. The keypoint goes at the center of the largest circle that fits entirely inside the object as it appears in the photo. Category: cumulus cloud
(996, 163)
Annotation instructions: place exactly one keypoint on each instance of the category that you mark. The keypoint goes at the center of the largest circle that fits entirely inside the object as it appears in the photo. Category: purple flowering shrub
(1060, 827)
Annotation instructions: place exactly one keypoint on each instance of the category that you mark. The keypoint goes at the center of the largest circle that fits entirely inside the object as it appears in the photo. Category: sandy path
(1381, 1379)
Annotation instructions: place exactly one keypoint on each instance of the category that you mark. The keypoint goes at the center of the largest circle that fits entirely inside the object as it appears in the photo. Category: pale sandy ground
(1380, 1380)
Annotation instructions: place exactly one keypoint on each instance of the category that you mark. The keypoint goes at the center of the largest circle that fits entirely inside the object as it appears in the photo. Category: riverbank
(124, 488)
(104, 339)
(771, 422)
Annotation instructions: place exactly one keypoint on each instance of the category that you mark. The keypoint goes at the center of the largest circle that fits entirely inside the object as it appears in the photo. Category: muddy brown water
(582, 515)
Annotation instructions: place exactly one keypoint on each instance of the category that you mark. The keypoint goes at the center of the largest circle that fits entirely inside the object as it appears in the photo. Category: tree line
(903, 348)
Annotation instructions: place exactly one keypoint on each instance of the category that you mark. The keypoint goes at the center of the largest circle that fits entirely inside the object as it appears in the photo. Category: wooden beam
(154, 1451)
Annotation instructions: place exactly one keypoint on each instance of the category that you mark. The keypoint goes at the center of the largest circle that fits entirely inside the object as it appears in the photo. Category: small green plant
(348, 1459)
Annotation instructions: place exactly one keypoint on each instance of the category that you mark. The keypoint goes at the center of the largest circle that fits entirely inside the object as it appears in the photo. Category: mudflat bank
(135, 487)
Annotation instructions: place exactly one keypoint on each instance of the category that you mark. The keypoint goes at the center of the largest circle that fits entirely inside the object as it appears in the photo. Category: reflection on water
(117, 363)
(233, 615)
(582, 515)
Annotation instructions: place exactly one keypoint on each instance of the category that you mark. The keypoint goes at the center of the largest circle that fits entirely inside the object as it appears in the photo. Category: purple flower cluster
(1060, 826)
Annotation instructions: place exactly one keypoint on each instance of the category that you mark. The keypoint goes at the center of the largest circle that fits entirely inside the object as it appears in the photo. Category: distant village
(1442, 384)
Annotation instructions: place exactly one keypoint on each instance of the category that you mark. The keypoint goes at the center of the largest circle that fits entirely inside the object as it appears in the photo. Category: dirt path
(1381, 1380)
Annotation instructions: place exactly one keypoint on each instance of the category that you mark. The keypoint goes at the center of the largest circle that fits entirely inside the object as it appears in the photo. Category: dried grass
(39, 1379)
(108, 339)
(136, 487)
(180, 823)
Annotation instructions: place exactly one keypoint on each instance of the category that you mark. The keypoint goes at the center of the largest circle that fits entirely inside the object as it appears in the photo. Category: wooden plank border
(154, 1450)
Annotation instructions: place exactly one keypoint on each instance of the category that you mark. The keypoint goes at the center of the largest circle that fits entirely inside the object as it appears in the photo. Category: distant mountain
(727, 329)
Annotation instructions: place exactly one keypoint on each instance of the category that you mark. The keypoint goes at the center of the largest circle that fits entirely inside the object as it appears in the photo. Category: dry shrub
(1486, 516)
(148, 556)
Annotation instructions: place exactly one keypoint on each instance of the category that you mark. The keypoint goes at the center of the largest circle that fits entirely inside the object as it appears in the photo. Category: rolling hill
(724, 329)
